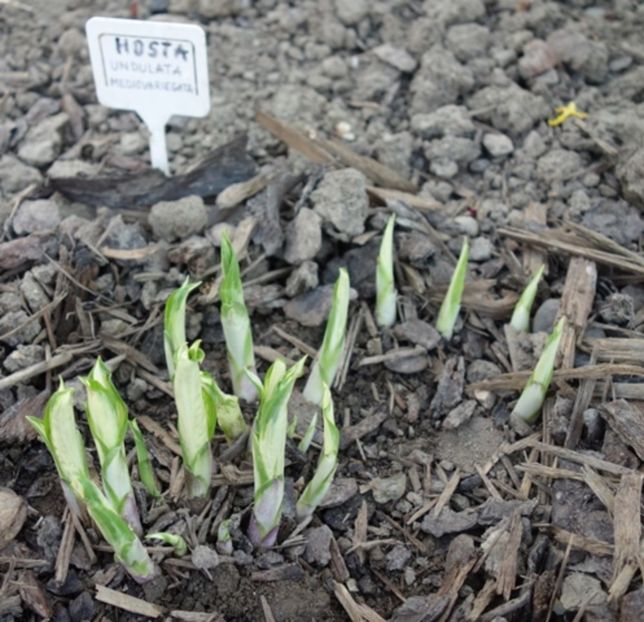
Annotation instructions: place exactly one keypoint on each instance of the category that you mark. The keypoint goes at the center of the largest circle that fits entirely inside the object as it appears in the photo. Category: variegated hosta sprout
(327, 464)
(385, 286)
(107, 418)
(448, 313)
(128, 549)
(196, 420)
(173, 539)
(226, 407)
(224, 538)
(521, 316)
(534, 392)
(58, 431)
(268, 446)
(146, 472)
(174, 324)
(236, 324)
(328, 357)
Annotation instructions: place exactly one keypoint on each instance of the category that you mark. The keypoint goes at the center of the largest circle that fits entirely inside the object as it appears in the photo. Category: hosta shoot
(268, 446)
(196, 422)
(57, 429)
(146, 472)
(327, 464)
(226, 407)
(224, 538)
(173, 539)
(385, 286)
(534, 392)
(108, 423)
(330, 353)
(174, 325)
(236, 324)
(128, 549)
(448, 313)
(521, 316)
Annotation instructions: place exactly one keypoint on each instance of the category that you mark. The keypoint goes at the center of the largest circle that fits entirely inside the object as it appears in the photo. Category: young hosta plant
(108, 423)
(57, 429)
(448, 313)
(174, 325)
(173, 539)
(146, 472)
(385, 286)
(229, 415)
(521, 316)
(268, 438)
(236, 324)
(529, 405)
(196, 420)
(328, 358)
(327, 464)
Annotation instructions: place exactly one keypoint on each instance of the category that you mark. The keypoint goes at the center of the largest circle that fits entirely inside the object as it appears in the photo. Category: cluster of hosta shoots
(58, 431)
(448, 313)
(385, 286)
(328, 357)
(520, 320)
(529, 405)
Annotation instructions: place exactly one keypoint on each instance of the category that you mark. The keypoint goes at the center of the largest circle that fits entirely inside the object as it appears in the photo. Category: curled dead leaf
(13, 512)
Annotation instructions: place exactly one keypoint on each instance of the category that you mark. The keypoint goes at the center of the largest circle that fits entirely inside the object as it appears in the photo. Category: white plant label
(157, 69)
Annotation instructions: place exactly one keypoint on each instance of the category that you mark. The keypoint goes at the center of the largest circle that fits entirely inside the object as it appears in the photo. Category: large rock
(341, 199)
(172, 220)
(16, 175)
(631, 175)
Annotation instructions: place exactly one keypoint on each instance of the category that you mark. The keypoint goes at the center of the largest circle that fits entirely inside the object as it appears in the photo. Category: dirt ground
(326, 117)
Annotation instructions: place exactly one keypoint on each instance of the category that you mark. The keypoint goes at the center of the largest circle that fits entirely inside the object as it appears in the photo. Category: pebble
(630, 172)
(318, 546)
(43, 141)
(581, 590)
(396, 57)
(303, 279)
(304, 237)
(467, 41)
(15, 175)
(386, 489)
(172, 220)
(82, 608)
(341, 199)
(418, 332)
(481, 249)
(450, 120)
(310, 308)
(37, 215)
(467, 225)
(544, 317)
(558, 165)
(498, 145)
(459, 415)
(618, 309)
(204, 557)
(350, 12)
(27, 331)
(398, 558)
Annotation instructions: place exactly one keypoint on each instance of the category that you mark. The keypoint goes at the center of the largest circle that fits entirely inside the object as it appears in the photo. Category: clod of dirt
(398, 558)
(15, 175)
(418, 332)
(630, 173)
(311, 308)
(448, 521)
(172, 220)
(204, 558)
(13, 512)
(82, 608)
(38, 215)
(459, 415)
(386, 489)
(304, 237)
(318, 546)
(342, 489)
(450, 387)
(579, 590)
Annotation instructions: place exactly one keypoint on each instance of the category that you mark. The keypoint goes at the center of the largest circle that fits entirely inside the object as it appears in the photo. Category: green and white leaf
(173, 539)
(226, 408)
(385, 285)
(520, 320)
(146, 472)
(448, 313)
(174, 325)
(330, 353)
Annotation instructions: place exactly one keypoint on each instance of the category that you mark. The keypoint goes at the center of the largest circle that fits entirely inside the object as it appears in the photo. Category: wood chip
(355, 432)
(13, 512)
(422, 204)
(628, 532)
(287, 572)
(239, 192)
(534, 218)
(627, 420)
(507, 575)
(266, 609)
(23, 375)
(160, 432)
(34, 596)
(576, 304)
(357, 612)
(128, 603)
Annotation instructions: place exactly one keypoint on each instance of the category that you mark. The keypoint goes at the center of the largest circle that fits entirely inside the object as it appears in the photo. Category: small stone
(386, 489)
(318, 546)
(418, 332)
(341, 490)
(467, 225)
(304, 237)
(459, 415)
(410, 364)
(24, 356)
(630, 172)
(582, 55)
(311, 308)
(559, 165)
(396, 57)
(581, 590)
(341, 198)
(72, 168)
(631, 606)
(27, 332)
(481, 249)
(13, 512)
(303, 279)
(618, 309)
(204, 558)
(16, 175)
(537, 58)
(415, 247)
(350, 12)
(443, 168)
(450, 120)
(448, 521)
(172, 220)
(33, 292)
(82, 608)
(454, 148)
(398, 558)
(38, 215)
(498, 145)
(481, 370)
(593, 425)
(534, 145)
(468, 41)
(43, 142)
(544, 318)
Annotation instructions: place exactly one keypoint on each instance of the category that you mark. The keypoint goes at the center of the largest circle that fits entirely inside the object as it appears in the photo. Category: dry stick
(266, 610)
(598, 485)
(582, 402)
(355, 611)
(568, 248)
(603, 242)
(128, 603)
(22, 375)
(560, 576)
(447, 493)
(534, 218)
(303, 347)
(32, 318)
(628, 532)
(65, 549)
